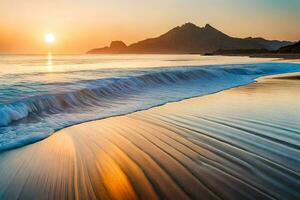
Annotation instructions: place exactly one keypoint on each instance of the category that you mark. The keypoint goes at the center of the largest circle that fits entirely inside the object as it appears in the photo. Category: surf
(36, 116)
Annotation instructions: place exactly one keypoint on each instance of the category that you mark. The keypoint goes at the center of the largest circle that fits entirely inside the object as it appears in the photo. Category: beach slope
(242, 143)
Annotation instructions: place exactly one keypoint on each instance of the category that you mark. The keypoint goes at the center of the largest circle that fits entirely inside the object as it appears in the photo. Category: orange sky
(80, 25)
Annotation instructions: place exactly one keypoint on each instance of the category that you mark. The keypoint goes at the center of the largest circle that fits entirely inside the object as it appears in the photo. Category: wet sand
(243, 143)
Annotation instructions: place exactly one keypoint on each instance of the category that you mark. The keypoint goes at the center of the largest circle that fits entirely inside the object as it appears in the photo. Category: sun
(49, 38)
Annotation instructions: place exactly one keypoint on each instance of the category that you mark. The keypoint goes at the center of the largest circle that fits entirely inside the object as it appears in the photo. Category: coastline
(214, 146)
(44, 114)
(280, 57)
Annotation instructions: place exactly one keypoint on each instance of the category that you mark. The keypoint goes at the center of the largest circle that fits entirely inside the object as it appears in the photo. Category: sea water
(40, 94)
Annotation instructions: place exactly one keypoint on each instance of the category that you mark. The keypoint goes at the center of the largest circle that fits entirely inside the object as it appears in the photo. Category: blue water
(41, 95)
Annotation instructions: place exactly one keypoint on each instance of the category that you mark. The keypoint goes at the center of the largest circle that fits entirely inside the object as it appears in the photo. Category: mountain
(240, 51)
(269, 44)
(190, 38)
(294, 48)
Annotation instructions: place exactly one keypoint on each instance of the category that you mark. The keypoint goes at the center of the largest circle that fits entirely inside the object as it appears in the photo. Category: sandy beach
(241, 143)
(149, 100)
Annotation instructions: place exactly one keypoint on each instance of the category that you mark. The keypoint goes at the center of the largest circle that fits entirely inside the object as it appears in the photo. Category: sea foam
(28, 116)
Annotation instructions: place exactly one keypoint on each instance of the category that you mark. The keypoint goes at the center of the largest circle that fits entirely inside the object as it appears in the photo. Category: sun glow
(49, 38)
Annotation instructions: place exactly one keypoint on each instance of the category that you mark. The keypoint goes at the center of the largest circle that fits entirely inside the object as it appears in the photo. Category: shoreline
(178, 144)
(278, 57)
(182, 76)
(29, 141)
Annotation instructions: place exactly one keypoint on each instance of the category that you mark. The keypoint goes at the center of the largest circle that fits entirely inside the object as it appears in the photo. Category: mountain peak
(189, 38)
(208, 26)
(117, 45)
(189, 25)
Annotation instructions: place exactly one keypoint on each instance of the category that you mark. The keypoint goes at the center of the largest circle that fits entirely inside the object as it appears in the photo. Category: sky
(79, 25)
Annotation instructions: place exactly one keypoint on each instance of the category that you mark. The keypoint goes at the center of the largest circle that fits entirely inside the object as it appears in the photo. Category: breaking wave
(34, 117)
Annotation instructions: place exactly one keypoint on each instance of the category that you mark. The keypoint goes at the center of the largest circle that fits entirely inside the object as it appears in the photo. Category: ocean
(40, 94)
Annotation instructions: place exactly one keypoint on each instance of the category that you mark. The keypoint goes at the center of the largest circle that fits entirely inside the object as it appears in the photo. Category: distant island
(294, 49)
(191, 39)
(287, 52)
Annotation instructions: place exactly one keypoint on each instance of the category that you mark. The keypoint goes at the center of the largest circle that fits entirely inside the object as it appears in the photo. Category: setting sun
(157, 99)
(49, 38)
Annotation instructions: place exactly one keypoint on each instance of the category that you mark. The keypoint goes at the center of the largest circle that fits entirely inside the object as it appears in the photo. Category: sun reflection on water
(49, 62)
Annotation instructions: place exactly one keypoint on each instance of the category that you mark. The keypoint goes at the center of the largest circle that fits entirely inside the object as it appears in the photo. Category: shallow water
(39, 95)
(241, 143)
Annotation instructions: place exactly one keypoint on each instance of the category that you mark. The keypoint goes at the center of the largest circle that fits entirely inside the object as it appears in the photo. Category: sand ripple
(239, 144)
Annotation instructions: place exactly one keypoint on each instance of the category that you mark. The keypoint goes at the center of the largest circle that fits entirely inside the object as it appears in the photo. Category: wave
(40, 115)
